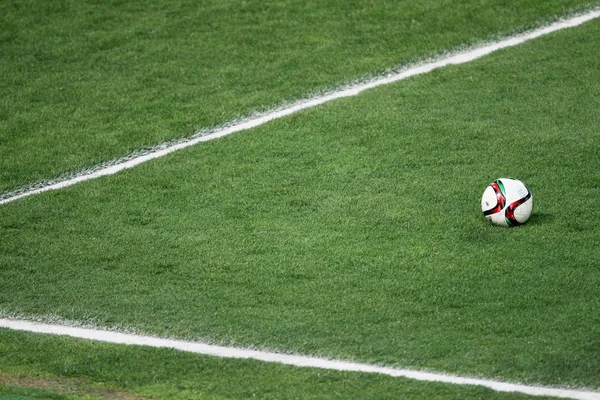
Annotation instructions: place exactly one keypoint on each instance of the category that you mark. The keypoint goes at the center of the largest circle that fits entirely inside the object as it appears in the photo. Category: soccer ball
(507, 202)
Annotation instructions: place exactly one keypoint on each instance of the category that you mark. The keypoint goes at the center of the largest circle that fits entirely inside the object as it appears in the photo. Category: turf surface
(86, 82)
(353, 230)
(4, 396)
(18, 397)
(130, 372)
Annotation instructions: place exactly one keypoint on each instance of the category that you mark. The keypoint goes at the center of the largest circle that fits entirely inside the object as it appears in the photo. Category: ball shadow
(538, 218)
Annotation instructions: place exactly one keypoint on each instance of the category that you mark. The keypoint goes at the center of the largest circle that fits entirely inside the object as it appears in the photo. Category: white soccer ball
(507, 202)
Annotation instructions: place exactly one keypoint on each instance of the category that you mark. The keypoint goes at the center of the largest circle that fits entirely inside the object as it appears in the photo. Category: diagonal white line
(458, 58)
(294, 360)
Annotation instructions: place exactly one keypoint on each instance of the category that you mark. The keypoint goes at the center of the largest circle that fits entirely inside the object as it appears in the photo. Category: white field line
(160, 151)
(295, 360)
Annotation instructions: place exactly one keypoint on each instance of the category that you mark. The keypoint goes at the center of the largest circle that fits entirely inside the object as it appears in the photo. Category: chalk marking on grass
(353, 90)
(294, 360)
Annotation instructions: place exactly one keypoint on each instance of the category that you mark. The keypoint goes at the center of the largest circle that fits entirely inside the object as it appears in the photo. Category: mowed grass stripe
(352, 230)
(90, 369)
(163, 150)
(288, 359)
(110, 78)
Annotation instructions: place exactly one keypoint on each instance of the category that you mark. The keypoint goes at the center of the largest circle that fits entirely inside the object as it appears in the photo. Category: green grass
(19, 397)
(102, 369)
(87, 82)
(30, 394)
(353, 230)
(4, 396)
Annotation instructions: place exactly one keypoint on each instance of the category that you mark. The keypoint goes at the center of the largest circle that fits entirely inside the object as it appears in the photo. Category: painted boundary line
(293, 360)
(353, 90)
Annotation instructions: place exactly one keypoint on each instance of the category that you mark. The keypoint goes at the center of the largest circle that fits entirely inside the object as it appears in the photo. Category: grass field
(86, 82)
(351, 230)
(125, 372)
